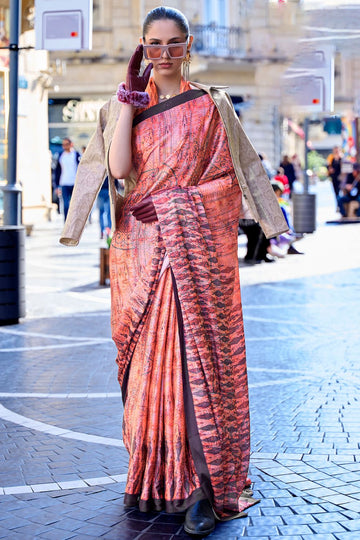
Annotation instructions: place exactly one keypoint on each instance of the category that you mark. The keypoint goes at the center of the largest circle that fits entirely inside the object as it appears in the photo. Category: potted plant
(104, 259)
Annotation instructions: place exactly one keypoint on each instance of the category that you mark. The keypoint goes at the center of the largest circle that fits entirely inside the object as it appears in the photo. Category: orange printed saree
(177, 318)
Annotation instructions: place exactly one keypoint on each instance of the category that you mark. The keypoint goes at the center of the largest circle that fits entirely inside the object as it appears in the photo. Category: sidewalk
(63, 464)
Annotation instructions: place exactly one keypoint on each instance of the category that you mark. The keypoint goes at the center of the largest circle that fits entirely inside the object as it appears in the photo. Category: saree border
(195, 444)
(170, 103)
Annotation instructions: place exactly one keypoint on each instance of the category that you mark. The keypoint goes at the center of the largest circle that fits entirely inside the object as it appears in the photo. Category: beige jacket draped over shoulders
(259, 199)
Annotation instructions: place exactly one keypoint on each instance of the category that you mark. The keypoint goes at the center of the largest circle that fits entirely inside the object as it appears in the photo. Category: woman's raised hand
(133, 91)
(135, 81)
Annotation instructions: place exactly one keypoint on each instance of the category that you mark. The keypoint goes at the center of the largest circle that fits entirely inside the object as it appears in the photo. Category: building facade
(243, 44)
(33, 157)
(246, 45)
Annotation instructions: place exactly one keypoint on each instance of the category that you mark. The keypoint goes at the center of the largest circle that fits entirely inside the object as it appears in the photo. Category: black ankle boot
(199, 519)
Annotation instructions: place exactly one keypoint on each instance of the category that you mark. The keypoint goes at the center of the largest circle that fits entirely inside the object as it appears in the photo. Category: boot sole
(195, 533)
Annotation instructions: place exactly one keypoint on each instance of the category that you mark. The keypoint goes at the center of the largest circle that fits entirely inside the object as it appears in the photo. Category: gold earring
(186, 66)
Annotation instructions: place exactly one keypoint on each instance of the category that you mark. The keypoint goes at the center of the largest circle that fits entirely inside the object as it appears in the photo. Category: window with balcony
(215, 12)
(215, 36)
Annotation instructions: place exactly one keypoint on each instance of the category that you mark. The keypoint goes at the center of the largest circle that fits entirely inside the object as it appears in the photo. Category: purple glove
(134, 81)
(145, 211)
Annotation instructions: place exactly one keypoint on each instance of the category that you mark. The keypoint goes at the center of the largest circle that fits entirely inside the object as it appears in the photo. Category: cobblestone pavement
(63, 464)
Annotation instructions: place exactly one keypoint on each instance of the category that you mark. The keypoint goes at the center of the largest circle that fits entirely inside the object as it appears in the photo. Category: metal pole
(12, 234)
(12, 191)
(306, 134)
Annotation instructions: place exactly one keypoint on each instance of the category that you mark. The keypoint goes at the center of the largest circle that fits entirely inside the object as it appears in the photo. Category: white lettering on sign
(81, 111)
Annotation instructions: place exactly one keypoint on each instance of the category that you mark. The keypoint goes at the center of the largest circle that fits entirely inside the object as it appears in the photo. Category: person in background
(65, 173)
(103, 204)
(258, 246)
(295, 160)
(267, 166)
(281, 178)
(55, 181)
(351, 190)
(289, 171)
(283, 243)
(334, 169)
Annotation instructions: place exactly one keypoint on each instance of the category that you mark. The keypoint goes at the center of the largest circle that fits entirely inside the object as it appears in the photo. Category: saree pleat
(161, 471)
(213, 329)
(177, 318)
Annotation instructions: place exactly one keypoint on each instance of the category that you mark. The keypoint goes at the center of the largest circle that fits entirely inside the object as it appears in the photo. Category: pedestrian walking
(65, 173)
(284, 243)
(298, 168)
(267, 166)
(103, 204)
(350, 191)
(176, 306)
(258, 246)
(281, 178)
(289, 171)
(334, 169)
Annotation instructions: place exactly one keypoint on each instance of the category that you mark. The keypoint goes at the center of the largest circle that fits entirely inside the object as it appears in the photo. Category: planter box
(104, 266)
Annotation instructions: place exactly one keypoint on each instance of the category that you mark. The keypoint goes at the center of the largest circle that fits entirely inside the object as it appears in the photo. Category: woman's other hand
(145, 211)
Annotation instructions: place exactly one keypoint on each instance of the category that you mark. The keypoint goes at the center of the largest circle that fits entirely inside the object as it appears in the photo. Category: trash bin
(304, 212)
(12, 274)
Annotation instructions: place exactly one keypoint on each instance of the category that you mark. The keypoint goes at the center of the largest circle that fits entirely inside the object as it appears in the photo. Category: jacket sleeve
(253, 180)
(89, 178)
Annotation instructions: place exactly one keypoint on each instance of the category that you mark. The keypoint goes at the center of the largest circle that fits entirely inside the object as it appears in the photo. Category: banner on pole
(62, 25)
(308, 84)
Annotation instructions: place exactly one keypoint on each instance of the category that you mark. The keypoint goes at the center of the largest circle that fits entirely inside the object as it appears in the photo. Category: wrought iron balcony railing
(220, 41)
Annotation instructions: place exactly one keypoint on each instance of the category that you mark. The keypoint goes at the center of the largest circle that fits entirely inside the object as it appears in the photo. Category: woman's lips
(165, 65)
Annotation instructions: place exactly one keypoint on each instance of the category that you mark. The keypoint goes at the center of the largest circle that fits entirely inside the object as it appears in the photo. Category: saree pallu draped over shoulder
(177, 317)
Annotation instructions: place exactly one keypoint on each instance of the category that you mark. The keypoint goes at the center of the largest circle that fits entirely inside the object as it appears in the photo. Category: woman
(176, 306)
(334, 170)
(289, 171)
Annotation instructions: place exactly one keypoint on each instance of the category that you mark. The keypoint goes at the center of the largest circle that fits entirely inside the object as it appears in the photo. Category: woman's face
(165, 32)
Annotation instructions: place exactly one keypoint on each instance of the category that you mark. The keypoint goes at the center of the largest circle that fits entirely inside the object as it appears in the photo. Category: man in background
(350, 191)
(65, 173)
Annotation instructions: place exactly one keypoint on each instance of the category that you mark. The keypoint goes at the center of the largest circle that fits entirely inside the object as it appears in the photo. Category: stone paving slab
(62, 461)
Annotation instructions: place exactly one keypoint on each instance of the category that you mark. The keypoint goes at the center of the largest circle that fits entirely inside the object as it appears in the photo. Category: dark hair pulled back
(164, 12)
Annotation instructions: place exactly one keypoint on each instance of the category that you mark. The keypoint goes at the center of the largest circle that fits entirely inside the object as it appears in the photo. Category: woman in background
(334, 170)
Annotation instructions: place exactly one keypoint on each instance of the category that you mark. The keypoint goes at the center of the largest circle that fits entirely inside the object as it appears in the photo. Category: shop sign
(81, 111)
(23, 82)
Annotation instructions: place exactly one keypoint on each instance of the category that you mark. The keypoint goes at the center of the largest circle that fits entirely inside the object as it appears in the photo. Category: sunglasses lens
(176, 51)
(153, 52)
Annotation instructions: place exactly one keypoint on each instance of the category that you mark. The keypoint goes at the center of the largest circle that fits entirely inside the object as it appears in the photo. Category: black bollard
(304, 212)
(12, 274)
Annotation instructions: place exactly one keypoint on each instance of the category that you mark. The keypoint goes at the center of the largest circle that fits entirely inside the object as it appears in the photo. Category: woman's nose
(166, 53)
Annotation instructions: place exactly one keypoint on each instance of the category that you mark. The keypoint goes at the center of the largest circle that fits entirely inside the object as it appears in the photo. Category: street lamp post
(12, 234)
(306, 161)
(12, 191)
(304, 204)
